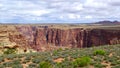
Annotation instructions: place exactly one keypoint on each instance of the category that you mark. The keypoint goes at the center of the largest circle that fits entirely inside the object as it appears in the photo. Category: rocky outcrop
(78, 37)
(40, 38)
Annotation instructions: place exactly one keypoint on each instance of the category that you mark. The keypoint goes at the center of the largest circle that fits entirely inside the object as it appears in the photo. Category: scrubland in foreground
(94, 57)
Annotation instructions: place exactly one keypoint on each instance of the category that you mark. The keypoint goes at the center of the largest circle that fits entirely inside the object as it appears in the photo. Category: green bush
(73, 58)
(2, 66)
(17, 66)
(45, 65)
(1, 59)
(99, 52)
(7, 64)
(60, 49)
(99, 65)
(10, 56)
(81, 62)
(55, 52)
(117, 66)
(10, 51)
(36, 60)
(32, 65)
(25, 61)
(16, 61)
(28, 58)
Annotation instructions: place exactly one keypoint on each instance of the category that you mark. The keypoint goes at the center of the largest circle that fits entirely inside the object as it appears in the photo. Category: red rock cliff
(36, 37)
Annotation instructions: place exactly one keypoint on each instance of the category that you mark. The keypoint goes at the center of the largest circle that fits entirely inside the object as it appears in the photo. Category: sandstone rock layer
(38, 37)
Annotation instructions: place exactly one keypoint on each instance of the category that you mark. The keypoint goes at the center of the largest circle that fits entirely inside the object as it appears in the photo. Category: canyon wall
(38, 37)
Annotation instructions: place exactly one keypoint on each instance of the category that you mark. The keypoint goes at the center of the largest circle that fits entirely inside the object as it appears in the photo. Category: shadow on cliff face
(102, 37)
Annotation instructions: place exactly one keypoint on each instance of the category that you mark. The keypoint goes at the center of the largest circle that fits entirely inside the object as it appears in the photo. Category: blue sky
(58, 11)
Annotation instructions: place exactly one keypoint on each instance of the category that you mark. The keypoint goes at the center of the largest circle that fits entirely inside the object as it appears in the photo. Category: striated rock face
(77, 37)
(40, 38)
(101, 36)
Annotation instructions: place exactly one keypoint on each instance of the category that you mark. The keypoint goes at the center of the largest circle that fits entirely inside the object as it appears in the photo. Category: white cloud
(58, 10)
(34, 12)
(1, 5)
(88, 17)
(93, 4)
(73, 16)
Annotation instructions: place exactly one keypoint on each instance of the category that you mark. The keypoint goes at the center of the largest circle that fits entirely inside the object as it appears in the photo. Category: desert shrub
(98, 58)
(111, 59)
(16, 61)
(115, 63)
(98, 65)
(7, 64)
(1, 59)
(63, 65)
(10, 51)
(117, 66)
(55, 52)
(17, 66)
(57, 65)
(45, 64)
(99, 52)
(10, 56)
(81, 62)
(25, 61)
(20, 55)
(60, 49)
(2, 66)
(36, 60)
(32, 65)
(28, 57)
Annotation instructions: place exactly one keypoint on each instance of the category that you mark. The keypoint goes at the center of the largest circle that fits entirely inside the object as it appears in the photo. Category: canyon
(44, 37)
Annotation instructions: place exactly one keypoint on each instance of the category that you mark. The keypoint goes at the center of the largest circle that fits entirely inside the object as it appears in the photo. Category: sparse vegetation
(10, 51)
(97, 57)
(99, 52)
(45, 64)
(81, 62)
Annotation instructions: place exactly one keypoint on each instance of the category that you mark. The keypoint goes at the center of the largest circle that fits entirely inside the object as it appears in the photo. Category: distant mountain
(108, 22)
